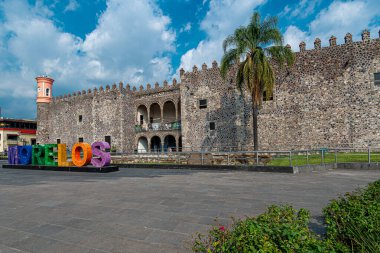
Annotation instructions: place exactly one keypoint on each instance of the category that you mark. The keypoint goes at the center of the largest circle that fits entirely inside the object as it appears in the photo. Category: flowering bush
(353, 220)
(279, 229)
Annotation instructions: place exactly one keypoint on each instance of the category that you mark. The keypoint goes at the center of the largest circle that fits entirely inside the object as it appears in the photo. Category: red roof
(23, 131)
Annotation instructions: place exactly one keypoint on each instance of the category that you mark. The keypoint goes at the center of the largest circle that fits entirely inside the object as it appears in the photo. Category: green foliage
(353, 220)
(353, 225)
(250, 43)
(279, 229)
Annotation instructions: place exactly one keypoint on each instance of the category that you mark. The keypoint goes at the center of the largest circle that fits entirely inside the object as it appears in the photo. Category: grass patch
(329, 157)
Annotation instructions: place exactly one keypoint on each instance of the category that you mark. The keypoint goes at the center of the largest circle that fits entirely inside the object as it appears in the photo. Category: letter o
(87, 154)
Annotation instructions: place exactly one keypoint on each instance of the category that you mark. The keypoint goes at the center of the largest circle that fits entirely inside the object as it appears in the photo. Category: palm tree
(259, 44)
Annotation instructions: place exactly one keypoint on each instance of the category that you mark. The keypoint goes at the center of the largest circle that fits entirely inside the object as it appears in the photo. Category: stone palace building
(330, 96)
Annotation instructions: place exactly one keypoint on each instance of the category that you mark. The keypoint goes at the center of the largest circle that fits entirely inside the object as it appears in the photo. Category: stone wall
(226, 108)
(43, 129)
(109, 111)
(103, 113)
(327, 98)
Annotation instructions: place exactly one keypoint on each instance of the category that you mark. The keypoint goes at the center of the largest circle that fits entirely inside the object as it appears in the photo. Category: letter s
(99, 149)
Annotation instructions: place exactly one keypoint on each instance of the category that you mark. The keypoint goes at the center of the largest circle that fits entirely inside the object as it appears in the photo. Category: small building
(17, 132)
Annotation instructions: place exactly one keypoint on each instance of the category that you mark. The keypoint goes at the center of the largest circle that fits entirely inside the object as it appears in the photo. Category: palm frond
(269, 32)
(255, 73)
(280, 55)
(240, 76)
(229, 41)
(228, 60)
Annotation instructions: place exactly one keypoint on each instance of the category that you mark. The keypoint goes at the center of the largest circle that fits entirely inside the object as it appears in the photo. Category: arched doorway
(169, 143)
(155, 113)
(169, 112)
(142, 145)
(180, 144)
(155, 116)
(179, 110)
(142, 115)
(155, 144)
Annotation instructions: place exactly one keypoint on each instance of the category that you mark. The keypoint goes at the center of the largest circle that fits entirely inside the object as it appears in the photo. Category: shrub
(279, 229)
(353, 220)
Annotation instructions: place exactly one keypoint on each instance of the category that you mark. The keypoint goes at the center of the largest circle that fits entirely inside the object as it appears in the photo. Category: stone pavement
(146, 210)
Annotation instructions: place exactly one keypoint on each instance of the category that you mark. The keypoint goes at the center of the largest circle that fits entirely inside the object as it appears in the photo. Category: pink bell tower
(44, 99)
(44, 89)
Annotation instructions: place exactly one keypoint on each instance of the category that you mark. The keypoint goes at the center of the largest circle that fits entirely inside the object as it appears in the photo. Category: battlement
(196, 71)
(320, 53)
(348, 44)
(156, 89)
(366, 38)
(120, 89)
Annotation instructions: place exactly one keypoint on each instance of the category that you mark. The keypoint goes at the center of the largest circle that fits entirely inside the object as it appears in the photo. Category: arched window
(47, 92)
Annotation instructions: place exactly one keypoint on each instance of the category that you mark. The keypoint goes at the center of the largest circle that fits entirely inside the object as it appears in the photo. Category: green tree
(252, 49)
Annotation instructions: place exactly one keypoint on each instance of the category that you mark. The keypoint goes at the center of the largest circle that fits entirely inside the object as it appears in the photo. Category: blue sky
(87, 43)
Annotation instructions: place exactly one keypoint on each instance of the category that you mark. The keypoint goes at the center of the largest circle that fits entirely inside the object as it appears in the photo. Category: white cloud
(293, 36)
(285, 11)
(129, 36)
(185, 28)
(337, 19)
(71, 6)
(223, 17)
(130, 43)
(304, 8)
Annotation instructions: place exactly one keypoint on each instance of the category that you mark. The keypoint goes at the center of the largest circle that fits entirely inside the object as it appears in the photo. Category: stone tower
(44, 98)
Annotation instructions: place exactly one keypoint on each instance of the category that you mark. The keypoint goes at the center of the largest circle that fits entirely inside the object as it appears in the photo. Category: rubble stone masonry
(327, 98)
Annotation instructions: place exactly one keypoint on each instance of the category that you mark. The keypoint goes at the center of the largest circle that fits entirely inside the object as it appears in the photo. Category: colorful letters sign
(55, 155)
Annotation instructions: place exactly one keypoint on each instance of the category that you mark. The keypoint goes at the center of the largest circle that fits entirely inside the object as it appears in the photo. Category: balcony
(176, 125)
(12, 142)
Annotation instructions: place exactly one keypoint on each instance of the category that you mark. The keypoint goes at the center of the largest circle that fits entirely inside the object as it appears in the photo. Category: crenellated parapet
(366, 38)
(320, 52)
(198, 72)
(303, 52)
(135, 91)
(93, 92)
(148, 89)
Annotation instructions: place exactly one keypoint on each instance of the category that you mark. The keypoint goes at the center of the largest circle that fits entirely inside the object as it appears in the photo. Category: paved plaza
(146, 210)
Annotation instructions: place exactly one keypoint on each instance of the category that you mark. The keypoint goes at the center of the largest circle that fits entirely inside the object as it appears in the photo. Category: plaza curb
(90, 169)
(274, 169)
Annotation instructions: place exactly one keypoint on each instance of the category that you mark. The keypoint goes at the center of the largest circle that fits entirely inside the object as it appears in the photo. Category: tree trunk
(255, 110)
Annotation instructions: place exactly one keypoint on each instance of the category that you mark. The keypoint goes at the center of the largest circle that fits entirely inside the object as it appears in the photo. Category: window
(108, 139)
(12, 137)
(141, 119)
(80, 118)
(212, 125)
(265, 97)
(47, 92)
(377, 79)
(58, 141)
(33, 141)
(202, 103)
(80, 139)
